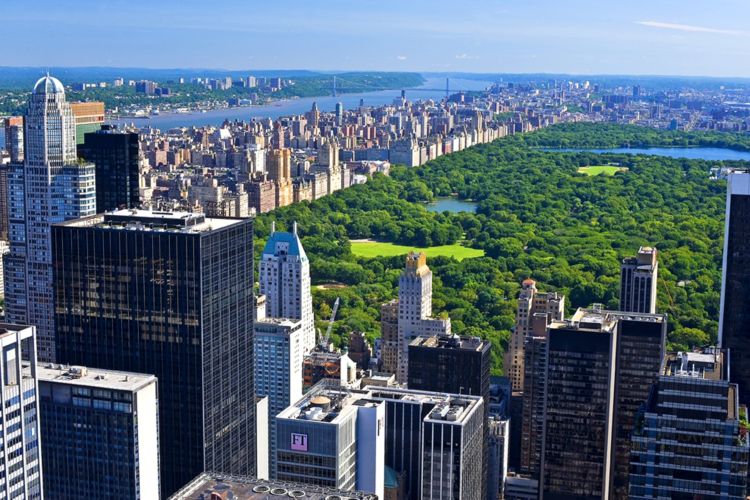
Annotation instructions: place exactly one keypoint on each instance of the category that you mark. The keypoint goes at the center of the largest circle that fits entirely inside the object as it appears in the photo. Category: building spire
(294, 228)
(273, 226)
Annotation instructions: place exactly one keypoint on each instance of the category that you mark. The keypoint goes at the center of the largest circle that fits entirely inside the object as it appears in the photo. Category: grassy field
(370, 249)
(601, 170)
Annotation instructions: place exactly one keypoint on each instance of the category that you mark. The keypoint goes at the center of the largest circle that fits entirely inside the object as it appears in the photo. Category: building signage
(299, 442)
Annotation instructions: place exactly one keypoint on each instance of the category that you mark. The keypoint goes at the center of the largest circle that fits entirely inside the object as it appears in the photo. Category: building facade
(638, 277)
(579, 407)
(49, 187)
(284, 279)
(116, 156)
(21, 464)
(691, 438)
(99, 433)
(531, 302)
(278, 370)
(734, 316)
(169, 294)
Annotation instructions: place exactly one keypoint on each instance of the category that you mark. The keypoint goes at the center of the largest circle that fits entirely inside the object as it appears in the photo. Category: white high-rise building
(638, 277)
(285, 281)
(50, 187)
(415, 310)
(278, 370)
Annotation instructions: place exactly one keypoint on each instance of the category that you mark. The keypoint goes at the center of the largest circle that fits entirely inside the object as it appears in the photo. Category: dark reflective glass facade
(115, 155)
(176, 303)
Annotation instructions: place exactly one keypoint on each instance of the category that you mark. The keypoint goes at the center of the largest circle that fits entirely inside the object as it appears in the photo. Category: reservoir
(451, 205)
(712, 154)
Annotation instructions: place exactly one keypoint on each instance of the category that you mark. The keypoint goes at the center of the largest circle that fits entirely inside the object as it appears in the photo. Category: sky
(655, 37)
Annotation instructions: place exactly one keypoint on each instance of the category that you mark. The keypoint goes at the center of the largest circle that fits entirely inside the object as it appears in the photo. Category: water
(288, 107)
(451, 205)
(712, 154)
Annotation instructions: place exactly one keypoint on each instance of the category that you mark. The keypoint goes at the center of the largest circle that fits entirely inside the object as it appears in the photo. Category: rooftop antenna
(273, 226)
(294, 228)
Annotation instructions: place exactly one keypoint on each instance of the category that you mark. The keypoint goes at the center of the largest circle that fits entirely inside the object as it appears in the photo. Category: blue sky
(668, 37)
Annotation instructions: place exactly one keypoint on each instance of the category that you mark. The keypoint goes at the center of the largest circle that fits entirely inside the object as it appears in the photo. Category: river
(298, 106)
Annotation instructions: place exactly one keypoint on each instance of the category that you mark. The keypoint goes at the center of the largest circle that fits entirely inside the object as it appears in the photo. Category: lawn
(370, 249)
(601, 170)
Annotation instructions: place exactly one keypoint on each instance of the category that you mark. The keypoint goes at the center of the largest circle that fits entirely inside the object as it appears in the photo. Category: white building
(285, 281)
(50, 187)
(278, 369)
(415, 309)
(638, 278)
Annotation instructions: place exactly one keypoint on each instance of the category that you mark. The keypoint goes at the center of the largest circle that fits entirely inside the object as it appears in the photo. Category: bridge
(352, 87)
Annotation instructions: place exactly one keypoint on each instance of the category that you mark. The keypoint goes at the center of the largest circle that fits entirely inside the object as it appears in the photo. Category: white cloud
(466, 56)
(688, 27)
(401, 58)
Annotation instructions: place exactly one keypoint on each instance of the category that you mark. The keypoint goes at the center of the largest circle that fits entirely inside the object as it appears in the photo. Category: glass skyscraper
(170, 294)
(50, 186)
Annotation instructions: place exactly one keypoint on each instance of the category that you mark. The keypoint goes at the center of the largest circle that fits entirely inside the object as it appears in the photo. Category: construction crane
(324, 339)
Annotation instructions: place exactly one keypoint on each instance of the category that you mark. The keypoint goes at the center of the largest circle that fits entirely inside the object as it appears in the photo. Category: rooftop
(282, 243)
(594, 320)
(150, 220)
(707, 364)
(450, 342)
(208, 486)
(450, 407)
(93, 377)
(325, 402)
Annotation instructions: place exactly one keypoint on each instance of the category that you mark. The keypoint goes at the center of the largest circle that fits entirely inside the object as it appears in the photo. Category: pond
(451, 204)
(712, 154)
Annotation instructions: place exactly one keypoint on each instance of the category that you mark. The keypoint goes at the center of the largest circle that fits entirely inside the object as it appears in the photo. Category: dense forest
(537, 217)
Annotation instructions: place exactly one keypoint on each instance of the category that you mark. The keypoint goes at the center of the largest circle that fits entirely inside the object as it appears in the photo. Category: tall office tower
(532, 418)
(433, 361)
(640, 352)
(332, 437)
(339, 113)
(14, 138)
(20, 465)
(169, 294)
(530, 302)
(638, 276)
(99, 432)
(734, 318)
(389, 336)
(89, 117)
(115, 155)
(415, 310)
(278, 370)
(579, 409)
(691, 439)
(497, 457)
(285, 281)
(4, 205)
(50, 187)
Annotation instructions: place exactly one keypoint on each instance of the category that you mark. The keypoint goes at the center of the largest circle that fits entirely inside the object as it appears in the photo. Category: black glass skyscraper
(170, 294)
(115, 154)
(734, 319)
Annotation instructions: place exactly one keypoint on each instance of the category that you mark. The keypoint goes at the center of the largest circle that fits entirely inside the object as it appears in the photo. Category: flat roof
(151, 220)
(450, 342)
(248, 488)
(707, 364)
(93, 377)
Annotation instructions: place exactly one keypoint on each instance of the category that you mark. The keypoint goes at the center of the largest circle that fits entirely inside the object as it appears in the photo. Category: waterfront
(289, 107)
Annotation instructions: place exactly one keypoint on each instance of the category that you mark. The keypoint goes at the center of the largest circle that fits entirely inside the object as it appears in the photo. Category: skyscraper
(115, 155)
(414, 312)
(20, 465)
(638, 277)
(535, 378)
(530, 302)
(50, 187)
(169, 294)
(579, 407)
(89, 117)
(14, 138)
(285, 281)
(690, 440)
(99, 433)
(734, 317)
(278, 369)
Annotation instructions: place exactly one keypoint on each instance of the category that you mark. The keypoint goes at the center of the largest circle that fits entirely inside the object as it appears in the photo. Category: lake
(451, 205)
(713, 154)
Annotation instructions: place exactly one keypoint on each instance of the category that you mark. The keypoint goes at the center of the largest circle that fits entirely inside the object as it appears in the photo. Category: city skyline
(644, 38)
